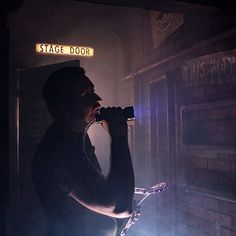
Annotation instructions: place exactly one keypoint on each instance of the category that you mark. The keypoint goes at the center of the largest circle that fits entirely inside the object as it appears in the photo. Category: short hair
(63, 86)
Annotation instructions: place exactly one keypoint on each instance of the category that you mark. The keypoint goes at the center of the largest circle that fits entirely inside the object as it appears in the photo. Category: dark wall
(4, 143)
(6, 8)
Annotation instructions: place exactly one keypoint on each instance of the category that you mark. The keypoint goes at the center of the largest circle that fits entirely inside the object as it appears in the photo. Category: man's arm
(111, 196)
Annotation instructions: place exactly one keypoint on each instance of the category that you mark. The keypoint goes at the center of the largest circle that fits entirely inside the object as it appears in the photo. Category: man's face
(90, 104)
(86, 105)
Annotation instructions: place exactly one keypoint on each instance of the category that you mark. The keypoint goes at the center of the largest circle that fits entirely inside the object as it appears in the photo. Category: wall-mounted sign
(63, 50)
(163, 25)
(217, 68)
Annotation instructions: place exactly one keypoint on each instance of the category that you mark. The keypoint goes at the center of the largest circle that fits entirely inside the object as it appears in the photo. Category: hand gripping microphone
(127, 111)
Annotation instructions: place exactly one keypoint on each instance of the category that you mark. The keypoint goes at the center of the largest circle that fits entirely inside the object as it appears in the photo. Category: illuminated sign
(64, 50)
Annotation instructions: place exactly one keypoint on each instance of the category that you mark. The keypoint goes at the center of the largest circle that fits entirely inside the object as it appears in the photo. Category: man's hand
(114, 122)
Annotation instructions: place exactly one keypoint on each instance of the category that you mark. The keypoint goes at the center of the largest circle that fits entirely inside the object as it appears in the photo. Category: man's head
(68, 91)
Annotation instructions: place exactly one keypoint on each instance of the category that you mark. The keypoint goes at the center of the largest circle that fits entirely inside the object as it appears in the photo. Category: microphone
(128, 113)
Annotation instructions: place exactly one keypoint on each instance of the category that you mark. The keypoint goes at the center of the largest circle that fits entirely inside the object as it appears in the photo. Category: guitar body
(144, 192)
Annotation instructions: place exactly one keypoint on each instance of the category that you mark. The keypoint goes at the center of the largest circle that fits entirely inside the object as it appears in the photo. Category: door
(33, 119)
(162, 122)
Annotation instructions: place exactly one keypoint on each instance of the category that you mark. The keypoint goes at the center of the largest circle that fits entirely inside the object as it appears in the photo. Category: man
(78, 200)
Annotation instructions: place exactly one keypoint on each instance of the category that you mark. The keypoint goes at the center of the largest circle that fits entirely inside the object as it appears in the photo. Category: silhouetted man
(78, 200)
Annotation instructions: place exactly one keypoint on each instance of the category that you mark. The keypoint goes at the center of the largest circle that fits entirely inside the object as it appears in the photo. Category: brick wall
(204, 202)
(206, 157)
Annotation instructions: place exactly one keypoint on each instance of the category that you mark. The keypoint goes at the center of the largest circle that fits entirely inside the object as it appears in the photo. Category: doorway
(32, 120)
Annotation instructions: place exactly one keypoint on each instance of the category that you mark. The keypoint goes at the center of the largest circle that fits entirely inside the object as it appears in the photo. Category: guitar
(144, 192)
